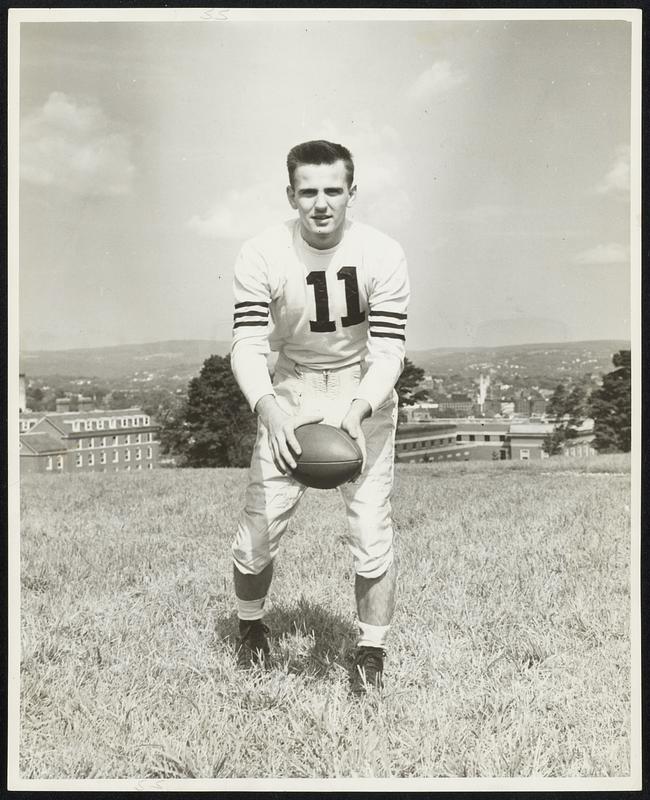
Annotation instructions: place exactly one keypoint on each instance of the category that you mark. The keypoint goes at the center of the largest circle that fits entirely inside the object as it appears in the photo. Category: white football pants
(272, 497)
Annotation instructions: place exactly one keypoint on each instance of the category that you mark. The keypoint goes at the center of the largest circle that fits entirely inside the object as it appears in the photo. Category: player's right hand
(281, 428)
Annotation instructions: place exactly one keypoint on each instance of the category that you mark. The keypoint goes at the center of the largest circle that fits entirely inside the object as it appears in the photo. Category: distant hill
(185, 357)
(181, 356)
(547, 358)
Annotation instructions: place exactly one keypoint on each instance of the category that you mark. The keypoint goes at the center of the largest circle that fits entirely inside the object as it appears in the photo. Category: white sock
(250, 609)
(372, 635)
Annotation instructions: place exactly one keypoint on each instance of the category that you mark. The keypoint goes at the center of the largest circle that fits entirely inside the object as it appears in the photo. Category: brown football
(329, 456)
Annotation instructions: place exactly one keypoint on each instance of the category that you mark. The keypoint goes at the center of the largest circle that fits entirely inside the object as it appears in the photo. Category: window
(102, 457)
(116, 456)
(127, 439)
(104, 439)
(147, 421)
(524, 455)
(487, 437)
(149, 452)
(100, 424)
(111, 422)
(90, 442)
(91, 459)
(128, 469)
(150, 466)
(459, 438)
(80, 460)
(59, 462)
(115, 438)
(472, 437)
(139, 466)
(80, 444)
(151, 437)
(127, 455)
(138, 454)
(50, 463)
(88, 425)
(137, 438)
(75, 425)
(502, 438)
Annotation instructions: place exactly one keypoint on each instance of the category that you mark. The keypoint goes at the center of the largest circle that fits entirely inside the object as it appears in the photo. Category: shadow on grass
(305, 637)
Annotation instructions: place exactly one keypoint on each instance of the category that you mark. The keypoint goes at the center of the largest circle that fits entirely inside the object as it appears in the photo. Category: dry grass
(509, 654)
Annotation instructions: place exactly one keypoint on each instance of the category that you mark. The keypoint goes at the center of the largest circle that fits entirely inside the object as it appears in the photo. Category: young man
(337, 293)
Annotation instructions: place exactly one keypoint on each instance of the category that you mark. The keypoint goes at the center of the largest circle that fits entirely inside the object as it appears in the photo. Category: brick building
(475, 440)
(88, 441)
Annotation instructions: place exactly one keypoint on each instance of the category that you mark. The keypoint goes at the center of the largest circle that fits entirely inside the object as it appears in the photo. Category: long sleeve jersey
(321, 308)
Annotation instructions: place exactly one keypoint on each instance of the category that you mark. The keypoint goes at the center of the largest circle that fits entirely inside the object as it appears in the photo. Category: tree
(169, 411)
(219, 423)
(611, 407)
(557, 403)
(407, 384)
(568, 410)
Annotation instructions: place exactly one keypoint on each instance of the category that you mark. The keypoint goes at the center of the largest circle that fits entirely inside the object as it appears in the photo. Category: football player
(336, 292)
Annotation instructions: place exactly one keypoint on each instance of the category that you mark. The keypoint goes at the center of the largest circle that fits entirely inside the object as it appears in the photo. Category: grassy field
(509, 654)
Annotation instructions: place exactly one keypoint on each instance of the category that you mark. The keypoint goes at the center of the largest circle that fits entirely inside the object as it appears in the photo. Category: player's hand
(351, 424)
(281, 428)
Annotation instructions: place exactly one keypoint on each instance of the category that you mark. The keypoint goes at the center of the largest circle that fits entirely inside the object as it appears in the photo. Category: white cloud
(243, 213)
(383, 200)
(612, 253)
(439, 78)
(618, 178)
(75, 146)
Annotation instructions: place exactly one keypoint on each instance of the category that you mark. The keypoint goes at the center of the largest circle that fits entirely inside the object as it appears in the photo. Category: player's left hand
(351, 424)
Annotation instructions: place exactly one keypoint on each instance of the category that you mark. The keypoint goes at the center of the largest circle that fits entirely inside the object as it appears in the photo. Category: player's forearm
(267, 409)
(379, 381)
(359, 409)
(251, 372)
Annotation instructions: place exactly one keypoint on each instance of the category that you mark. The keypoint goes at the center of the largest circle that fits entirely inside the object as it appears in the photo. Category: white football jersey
(321, 308)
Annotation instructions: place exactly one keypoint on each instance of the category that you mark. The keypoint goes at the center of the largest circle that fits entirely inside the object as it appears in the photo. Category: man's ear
(353, 196)
(291, 197)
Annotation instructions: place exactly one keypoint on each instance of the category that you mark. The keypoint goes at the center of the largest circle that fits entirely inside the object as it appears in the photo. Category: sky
(496, 152)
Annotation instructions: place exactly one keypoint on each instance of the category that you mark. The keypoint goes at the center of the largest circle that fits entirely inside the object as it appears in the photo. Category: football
(329, 456)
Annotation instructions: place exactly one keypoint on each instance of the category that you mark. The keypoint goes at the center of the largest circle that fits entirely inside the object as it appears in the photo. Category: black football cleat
(252, 645)
(367, 670)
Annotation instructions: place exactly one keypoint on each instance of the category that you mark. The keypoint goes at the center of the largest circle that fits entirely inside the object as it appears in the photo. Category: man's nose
(321, 200)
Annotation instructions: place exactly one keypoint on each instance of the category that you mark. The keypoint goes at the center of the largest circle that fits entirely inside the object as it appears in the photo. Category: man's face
(321, 195)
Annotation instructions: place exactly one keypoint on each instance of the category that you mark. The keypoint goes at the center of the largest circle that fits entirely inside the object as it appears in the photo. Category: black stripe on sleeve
(250, 322)
(251, 314)
(388, 325)
(389, 335)
(245, 305)
(376, 313)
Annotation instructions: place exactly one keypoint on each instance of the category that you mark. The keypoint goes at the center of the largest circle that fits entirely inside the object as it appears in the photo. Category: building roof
(41, 443)
(528, 428)
(96, 413)
(483, 424)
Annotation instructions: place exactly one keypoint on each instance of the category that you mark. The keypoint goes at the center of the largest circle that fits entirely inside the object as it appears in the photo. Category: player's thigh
(269, 502)
(368, 507)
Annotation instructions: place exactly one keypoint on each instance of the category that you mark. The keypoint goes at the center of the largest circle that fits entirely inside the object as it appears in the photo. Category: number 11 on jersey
(323, 323)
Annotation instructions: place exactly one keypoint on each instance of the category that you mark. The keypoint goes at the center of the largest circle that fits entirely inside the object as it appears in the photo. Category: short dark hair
(319, 151)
